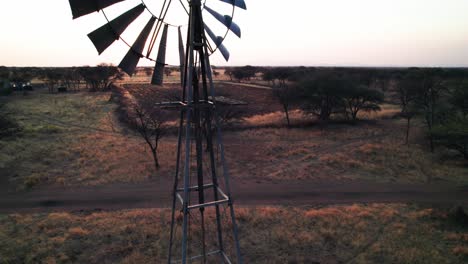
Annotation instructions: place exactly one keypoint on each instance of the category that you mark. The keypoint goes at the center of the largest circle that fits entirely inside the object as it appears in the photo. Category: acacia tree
(246, 72)
(151, 124)
(452, 130)
(431, 90)
(229, 72)
(453, 135)
(4, 72)
(407, 92)
(100, 77)
(51, 78)
(167, 71)
(286, 96)
(321, 95)
(4, 81)
(359, 98)
(148, 71)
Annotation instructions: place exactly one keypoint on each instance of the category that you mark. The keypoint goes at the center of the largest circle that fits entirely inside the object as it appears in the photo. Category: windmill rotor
(155, 27)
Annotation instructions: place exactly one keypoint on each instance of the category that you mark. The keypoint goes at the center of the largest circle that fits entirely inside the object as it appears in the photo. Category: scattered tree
(407, 91)
(453, 135)
(229, 72)
(151, 124)
(167, 71)
(321, 96)
(148, 71)
(361, 98)
(100, 77)
(285, 95)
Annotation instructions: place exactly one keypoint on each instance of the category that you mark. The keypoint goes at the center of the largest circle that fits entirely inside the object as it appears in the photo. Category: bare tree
(285, 96)
(151, 124)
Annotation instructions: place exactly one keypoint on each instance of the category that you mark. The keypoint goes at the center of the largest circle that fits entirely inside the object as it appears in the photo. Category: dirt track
(154, 195)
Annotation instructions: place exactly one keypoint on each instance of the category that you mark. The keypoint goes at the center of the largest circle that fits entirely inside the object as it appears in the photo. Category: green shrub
(5, 91)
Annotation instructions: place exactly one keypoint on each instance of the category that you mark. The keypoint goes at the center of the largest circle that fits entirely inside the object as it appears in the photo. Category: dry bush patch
(75, 139)
(374, 233)
(51, 125)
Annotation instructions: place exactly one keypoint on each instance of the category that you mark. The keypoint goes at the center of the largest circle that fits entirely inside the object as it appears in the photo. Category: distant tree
(453, 135)
(100, 77)
(431, 91)
(4, 72)
(148, 71)
(246, 72)
(216, 73)
(407, 92)
(229, 72)
(286, 95)
(322, 95)
(358, 97)
(459, 99)
(150, 122)
(167, 71)
(268, 75)
(282, 74)
(51, 78)
(5, 88)
(8, 126)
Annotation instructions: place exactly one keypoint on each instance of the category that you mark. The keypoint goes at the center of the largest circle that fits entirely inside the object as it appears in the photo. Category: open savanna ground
(69, 140)
(76, 139)
(373, 233)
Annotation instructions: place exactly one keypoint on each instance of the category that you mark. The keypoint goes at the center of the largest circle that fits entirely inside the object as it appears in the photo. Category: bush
(453, 134)
(5, 91)
(8, 127)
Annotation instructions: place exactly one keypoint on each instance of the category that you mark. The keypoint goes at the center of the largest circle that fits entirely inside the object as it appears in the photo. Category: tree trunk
(155, 158)
(354, 115)
(408, 126)
(286, 111)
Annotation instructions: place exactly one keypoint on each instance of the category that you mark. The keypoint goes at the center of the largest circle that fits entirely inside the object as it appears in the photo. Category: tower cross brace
(197, 187)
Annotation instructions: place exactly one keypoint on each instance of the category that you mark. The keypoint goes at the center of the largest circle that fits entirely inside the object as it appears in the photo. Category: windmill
(203, 224)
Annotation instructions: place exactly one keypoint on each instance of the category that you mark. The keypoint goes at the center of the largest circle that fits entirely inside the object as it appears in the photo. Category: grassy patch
(50, 125)
(335, 234)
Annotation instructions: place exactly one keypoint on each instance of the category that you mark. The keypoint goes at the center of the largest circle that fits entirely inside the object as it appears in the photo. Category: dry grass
(337, 234)
(51, 125)
(75, 139)
(339, 152)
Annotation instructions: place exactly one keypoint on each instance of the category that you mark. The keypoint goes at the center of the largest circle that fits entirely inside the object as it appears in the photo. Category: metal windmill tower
(203, 224)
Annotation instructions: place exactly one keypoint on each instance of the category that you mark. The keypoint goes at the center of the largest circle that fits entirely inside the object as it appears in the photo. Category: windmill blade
(84, 7)
(226, 20)
(181, 57)
(104, 36)
(238, 3)
(158, 74)
(224, 52)
(130, 61)
(219, 43)
(216, 39)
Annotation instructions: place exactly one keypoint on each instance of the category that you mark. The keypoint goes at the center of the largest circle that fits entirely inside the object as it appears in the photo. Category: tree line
(96, 78)
(438, 97)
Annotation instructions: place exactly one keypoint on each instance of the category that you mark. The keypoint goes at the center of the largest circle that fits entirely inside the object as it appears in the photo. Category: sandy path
(296, 193)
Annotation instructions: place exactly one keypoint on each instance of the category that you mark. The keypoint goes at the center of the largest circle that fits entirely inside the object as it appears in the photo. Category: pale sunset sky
(274, 32)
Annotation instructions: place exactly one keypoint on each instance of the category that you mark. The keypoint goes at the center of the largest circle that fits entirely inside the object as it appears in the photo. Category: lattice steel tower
(203, 224)
(200, 161)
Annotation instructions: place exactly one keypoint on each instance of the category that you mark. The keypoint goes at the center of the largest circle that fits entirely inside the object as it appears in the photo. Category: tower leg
(197, 117)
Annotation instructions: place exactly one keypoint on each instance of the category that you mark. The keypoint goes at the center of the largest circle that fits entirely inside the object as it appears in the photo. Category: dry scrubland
(76, 139)
(339, 234)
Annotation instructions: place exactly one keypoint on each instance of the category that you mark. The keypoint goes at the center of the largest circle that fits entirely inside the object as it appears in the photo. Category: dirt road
(154, 195)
